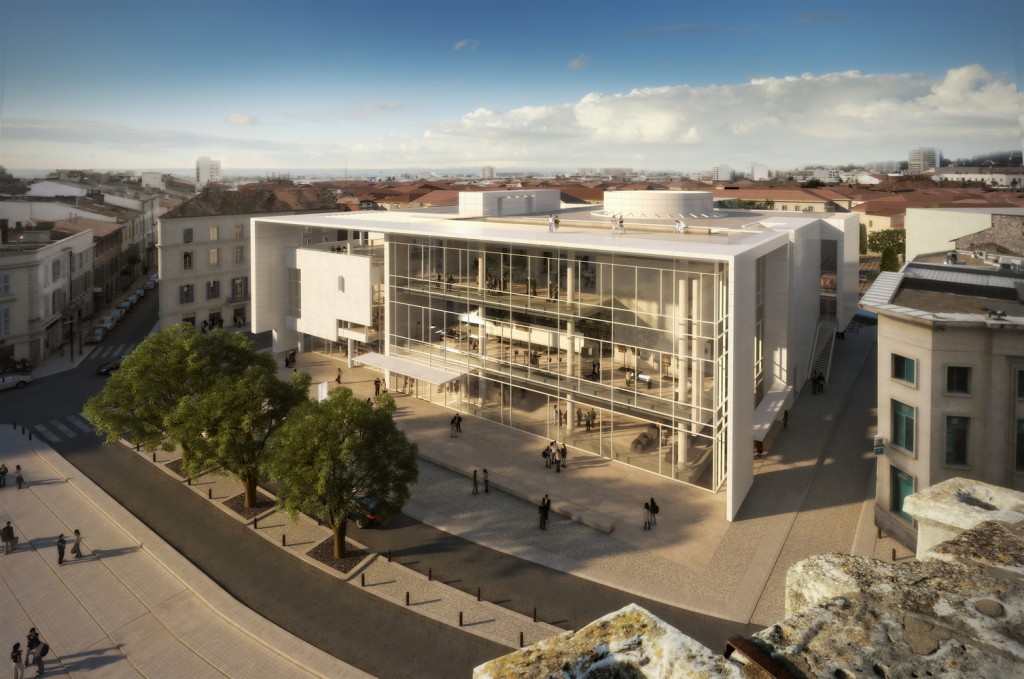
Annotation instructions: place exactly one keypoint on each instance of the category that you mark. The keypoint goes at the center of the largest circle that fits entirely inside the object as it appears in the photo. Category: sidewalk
(132, 606)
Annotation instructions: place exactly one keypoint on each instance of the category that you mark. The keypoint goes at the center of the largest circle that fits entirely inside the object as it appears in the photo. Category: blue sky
(551, 84)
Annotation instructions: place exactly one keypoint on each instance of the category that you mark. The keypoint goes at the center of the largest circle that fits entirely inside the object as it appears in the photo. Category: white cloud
(240, 119)
(580, 62)
(466, 45)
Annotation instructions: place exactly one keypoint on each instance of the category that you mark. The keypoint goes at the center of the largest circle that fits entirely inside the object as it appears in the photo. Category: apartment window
(186, 260)
(239, 230)
(214, 256)
(186, 294)
(903, 425)
(1020, 373)
(958, 431)
(239, 254)
(902, 487)
(5, 329)
(958, 379)
(904, 369)
(1019, 466)
(213, 290)
(56, 270)
(240, 289)
(186, 235)
(5, 289)
(214, 233)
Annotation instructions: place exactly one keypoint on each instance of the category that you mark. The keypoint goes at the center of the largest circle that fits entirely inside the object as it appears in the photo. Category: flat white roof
(408, 367)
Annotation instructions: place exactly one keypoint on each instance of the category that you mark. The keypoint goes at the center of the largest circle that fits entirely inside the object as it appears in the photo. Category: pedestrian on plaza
(596, 370)
(615, 225)
(785, 419)
(487, 483)
(476, 488)
(76, 548)
(376, 387)
(452, 427)
(556, 414)
(579, 416)
(17, 666)
(3, 474)
(551, 223)
(35, 651)
(458, 423)
(7, 535)
(18, 476)
(563, 415)
(821, 383)
(647, 516)
(563, 453)
(558, 462)
(557, 223)
(337, 378)
(589, 422)
(61, 543)
(622, 225)
(547, 456)
(654, 512)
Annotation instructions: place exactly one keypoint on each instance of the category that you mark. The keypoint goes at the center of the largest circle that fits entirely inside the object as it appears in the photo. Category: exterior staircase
(822, 354)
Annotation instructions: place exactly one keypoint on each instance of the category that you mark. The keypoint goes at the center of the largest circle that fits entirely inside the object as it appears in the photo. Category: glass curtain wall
(616, 355)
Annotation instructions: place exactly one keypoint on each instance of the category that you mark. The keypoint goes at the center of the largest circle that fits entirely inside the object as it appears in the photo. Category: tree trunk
(250, 492)
(340, 529)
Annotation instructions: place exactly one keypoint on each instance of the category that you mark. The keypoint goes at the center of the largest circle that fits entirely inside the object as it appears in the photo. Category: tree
(895, 239)
(331, 453)
(890, 262)
(812, 183)
(210, 393)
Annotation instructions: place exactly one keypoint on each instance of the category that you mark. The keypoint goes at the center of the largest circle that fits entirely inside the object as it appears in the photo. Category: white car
(14, 380)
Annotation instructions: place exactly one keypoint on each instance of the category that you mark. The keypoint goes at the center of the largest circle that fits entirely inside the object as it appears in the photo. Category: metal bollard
(209, 493)
(254, 522)
(137, 447)
(188, 480)
(406, 598)
(520, 640)
(460, 618)
(30, 436)
(154, 457)
(284, 541)
(535, 614)
(362, 579)
(893, 553)
(389, 556)
(430, 573)
(478, 594)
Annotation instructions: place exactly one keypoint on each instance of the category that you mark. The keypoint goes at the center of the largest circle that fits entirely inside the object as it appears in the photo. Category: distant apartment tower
(758, 172)
(721, 173)
(207, 171)
(487, 172)
(923, 159)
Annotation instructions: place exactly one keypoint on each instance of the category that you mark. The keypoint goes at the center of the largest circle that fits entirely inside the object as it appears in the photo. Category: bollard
(460, 618)
(154, 457)
(284, 541)
(254, 522)
(878, 532)
(362, 579)
(22, 430)
(478, 594)
(406, 598)
(137, 447)
(30, 436)
(188, 480)
(520, 640)
(389, 556)
(430, 572)
(209, 493)
(535, 614)
(893, 553)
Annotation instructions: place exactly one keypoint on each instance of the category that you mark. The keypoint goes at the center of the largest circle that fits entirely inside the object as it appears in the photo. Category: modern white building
(931, 230)
(922, 160)
(950, 381)
(207, 171)
(721, 173)
(759, 172)
(671, 352)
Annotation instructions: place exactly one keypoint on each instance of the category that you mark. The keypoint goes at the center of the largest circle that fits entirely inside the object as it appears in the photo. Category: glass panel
(902, 487)
(958, 431)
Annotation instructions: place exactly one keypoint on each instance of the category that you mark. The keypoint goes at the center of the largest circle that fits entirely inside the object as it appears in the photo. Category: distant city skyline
(555, 85)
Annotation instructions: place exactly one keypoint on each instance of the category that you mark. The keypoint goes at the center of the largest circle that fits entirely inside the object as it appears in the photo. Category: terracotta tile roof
(100, 229)
(260, 199)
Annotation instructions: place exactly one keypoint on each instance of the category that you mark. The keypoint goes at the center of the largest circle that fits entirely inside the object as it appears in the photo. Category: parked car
(96, 334)
(116, 315)
(370, 517)
(151, 282)
(110, 366)
(126, 305)
(14, 380)
(140, 292)
(134, 299)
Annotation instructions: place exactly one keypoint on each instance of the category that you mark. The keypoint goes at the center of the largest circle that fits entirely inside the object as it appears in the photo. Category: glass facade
(616, 355)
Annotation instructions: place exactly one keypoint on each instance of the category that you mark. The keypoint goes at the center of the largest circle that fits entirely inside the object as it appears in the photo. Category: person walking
(547, 455)
(551, 223)
(563, 453)
(19, 479)
(476, 488)
(654, 512)
(376, 387)
(17, 665)
(615, 225)
(458, 423)
(558, 463)
(34, 651)
(76, 548)
(487, 483)
(647, 516)
(61, 544)
(337, 378)
(543, 511)
(622, 225)
(557, 223)
(579, 417)
(7, 535)
(3, 474)
(452, 427)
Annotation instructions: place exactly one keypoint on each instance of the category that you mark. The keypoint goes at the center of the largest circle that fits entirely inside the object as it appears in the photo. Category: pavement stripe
(45, 433)
(84, 426)
(63, 429)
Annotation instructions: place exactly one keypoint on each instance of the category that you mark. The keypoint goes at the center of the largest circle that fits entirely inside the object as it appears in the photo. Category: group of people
(618, 226)
(456, 425)
(476, 486)
(213, 324)
(555, 455)
(35, 650)
(17, 475)
(817, 382)
(651, 510)
(553, 222)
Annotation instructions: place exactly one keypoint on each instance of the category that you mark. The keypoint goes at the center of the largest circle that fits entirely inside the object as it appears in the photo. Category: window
(904, 368)
(958, 431)
(214, 256)
(186, 235)
(1020, 373)
(239, 254)
(902, 487)
(903, 425)
(56, 270)
(295, 293)
(239, 289)
(239, 230)
(213, 290)
(5, 329)
(5, 289)
(958, 380)
(186, 260)
(186, 294)
(214, 233)
(1019, 466)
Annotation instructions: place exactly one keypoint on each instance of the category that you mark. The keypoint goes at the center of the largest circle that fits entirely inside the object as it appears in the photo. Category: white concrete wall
(934, 229)
(334, 287)
(21, 211)
(504, 203)
(271, 246)
(663, 204)
(777, 313)
(740, 308)
(845, 230)
(50, 189)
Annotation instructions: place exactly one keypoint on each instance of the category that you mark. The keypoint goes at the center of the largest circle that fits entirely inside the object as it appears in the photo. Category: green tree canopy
(890, 262)
(210, 393)
(332, 452)
(896, 239)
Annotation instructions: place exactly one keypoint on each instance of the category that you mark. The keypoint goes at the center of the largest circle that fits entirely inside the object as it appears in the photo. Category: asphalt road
(378, 637)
